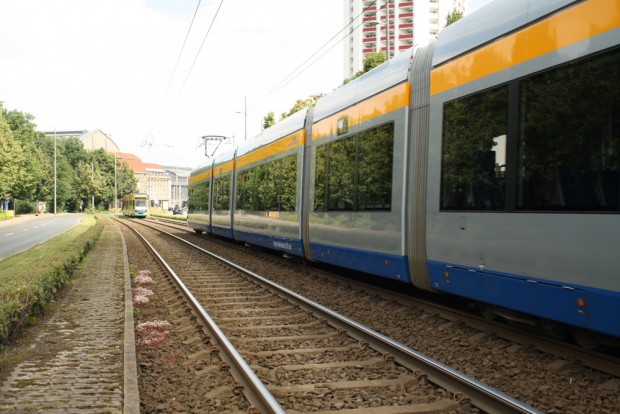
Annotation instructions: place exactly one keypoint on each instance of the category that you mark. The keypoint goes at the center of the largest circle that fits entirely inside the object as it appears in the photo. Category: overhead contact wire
(174, 71)
(284, 82)
(192, 66)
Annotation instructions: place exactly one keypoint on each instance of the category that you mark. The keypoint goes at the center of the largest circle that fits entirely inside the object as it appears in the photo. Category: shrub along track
(543, 380)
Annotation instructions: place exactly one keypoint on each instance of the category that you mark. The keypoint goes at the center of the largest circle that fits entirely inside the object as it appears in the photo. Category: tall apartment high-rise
(392, 26)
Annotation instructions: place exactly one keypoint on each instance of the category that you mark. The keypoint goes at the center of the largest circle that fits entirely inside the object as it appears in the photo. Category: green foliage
(12, 160)
(371, 61)
(27, 167)
(268, 187)
(453, 16)
(301, 104)
(355, 173)
(25, 207)
(126, 180)
(30, 280)
(31, 173)
(269, 120)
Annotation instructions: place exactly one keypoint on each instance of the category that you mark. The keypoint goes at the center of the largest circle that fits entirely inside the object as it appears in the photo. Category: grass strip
(169, 217)
(31, 279)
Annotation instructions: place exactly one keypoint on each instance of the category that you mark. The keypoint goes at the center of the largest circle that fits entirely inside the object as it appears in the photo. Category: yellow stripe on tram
(395, 98)
(556, 32)
(284, 144)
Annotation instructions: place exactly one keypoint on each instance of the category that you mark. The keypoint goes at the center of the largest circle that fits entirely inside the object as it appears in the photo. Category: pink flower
(153, 326)
(153, 333)
(140, 301)
(154, 339)
(140, 291)
(143, 280)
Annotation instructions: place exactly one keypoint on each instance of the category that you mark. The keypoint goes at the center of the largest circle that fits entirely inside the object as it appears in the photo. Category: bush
(25, 207)
(25, 292)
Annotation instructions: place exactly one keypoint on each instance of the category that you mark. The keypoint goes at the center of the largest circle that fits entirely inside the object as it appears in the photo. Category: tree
(301, 104)
(27, 167)
(453, 16)
(269, 120)
(126, 180)
(371, 61)
(83, 184)
(31, 172)
(11, 161)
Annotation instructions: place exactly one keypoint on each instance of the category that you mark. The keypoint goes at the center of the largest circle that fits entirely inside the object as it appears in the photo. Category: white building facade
(392, 26)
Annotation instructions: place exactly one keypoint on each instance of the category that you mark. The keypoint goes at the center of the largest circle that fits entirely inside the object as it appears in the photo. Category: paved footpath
(81, 359)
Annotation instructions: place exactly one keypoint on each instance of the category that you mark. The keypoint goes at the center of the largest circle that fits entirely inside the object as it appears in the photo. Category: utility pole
(92, 179)
(245, 118)
(387, 30)
(115, 188)
(55, 173)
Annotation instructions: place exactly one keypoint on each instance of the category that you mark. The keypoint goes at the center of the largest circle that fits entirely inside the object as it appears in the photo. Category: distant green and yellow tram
(135, 205)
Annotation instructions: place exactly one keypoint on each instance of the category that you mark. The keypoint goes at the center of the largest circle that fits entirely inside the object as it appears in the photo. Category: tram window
(569, 141)
(221, 193)
(473, 161)
(247, 198)
(375, 156)
(320, 179)
(355, 173)
(268, 187)
(341, 178)
(284, 173)
(199, 198)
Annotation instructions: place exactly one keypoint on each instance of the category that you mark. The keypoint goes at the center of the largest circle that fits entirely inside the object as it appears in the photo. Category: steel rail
(560, 348)
(258, 394)
(481, 395)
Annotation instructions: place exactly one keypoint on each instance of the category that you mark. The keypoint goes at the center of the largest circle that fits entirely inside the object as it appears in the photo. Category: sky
(117, 66)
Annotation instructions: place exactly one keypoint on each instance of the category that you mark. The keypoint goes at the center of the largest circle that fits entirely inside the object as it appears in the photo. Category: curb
(131, 403)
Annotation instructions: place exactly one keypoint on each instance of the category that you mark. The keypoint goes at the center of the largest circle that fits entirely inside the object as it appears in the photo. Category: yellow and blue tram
(135, 205)
(484, 165)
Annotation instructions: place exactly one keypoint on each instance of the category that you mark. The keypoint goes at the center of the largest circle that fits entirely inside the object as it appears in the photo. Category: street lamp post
(55, 171)
(115, 188)
(245, 118)
(387, 30)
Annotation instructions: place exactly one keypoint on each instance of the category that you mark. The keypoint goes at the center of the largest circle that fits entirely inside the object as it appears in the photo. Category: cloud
(87, 64)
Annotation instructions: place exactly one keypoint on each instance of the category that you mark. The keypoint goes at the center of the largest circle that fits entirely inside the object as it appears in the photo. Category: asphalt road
(24, 232)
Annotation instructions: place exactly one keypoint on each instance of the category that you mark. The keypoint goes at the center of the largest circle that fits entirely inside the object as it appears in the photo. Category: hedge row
(30, 280)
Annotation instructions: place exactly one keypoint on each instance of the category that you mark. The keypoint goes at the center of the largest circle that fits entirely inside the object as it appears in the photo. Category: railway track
(520, 334)
(548, 374)
(309, 357)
